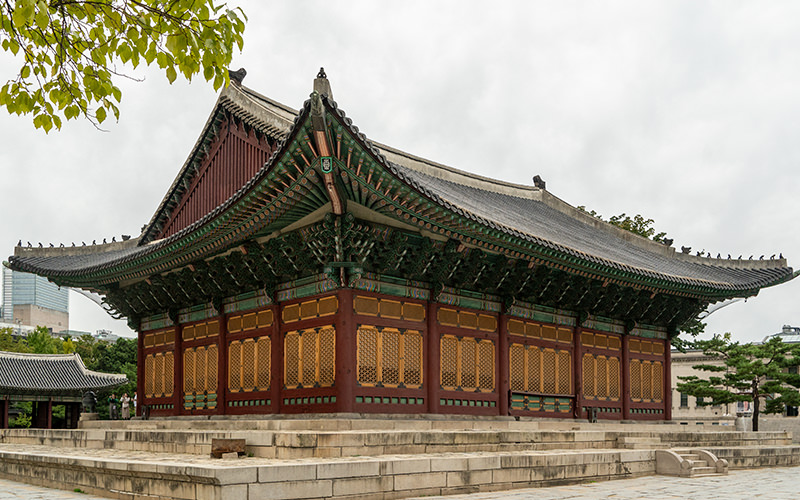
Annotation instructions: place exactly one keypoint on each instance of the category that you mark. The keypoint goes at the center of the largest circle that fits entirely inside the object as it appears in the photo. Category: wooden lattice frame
(309, 357)
(467, 364)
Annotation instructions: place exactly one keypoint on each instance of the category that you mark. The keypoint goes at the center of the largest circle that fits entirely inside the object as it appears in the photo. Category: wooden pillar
(177, 374)
(626, 378)
(667, 380)
(139, 373)
(222, 364)
(432, 357)
(345, 380)
(502, 361)
(577, 371)
(276, 378)
(49, 414)
(4, 404)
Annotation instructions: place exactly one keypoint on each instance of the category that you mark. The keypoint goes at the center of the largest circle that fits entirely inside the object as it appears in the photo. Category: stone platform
(354, 457)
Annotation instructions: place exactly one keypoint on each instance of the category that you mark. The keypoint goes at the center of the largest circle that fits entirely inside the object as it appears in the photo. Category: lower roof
(24, 373)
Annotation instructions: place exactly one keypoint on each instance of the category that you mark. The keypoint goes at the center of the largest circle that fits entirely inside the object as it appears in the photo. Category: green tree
(750, 372)
(636, 224)
(71, 51)
(10, 343)
(41, 342)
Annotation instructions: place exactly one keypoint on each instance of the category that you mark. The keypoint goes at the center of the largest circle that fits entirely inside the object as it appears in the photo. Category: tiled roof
(22, 373)
(525, 212)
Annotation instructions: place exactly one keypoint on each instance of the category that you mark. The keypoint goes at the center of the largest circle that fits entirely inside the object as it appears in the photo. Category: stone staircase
(689, 463)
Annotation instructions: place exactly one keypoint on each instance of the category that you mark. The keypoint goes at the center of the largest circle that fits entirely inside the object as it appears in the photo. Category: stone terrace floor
(772, 484)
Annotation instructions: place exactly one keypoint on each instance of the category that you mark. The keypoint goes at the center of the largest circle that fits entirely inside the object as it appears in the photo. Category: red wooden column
(577, 370)
(345, 380)
(502, 361)
(140, 372)
(222, 364)
(432, 358)
(276, 377)
(4, 404)
(626, 378)
(667, 380)
(177, 376)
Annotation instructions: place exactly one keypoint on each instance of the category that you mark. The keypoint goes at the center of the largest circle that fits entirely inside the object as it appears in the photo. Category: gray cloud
(685, 112)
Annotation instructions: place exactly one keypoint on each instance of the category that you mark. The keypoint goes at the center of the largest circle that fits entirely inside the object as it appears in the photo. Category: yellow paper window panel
(249, 363)
(600, 340)
(250, 321)
(389, 357)
(601, 377)
(200, 370)
(537, 370)
(466, 319)
(310, 309)
(647, 379)
(647, 346)
(387, 308)
(310, 357)
(201, 330)
(158, 376)
(467, 364)
(159, 338)
(540, 331)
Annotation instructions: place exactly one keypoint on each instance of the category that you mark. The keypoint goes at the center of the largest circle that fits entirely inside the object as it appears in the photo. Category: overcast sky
(684, 112)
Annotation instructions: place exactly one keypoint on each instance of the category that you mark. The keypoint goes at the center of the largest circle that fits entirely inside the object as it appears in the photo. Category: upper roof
(518, 215)
(23, 373)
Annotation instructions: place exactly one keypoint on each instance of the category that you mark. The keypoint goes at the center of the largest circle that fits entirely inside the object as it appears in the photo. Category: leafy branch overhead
(72, 52)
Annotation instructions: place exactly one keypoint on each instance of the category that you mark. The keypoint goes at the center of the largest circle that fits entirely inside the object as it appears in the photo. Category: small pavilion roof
(24, 373)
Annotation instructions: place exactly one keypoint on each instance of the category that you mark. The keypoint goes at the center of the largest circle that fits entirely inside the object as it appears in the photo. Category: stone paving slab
(768, 484)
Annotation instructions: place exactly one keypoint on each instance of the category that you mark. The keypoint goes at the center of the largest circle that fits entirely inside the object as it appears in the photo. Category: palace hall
(295, 266)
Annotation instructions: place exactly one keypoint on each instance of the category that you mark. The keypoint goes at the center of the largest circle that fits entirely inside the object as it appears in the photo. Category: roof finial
(322, 86)
(238, 75)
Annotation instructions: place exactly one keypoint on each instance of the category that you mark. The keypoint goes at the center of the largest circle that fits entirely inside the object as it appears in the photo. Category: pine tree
(750, 372)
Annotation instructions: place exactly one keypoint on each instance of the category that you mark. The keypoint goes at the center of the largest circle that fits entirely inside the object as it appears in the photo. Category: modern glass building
(34, 301)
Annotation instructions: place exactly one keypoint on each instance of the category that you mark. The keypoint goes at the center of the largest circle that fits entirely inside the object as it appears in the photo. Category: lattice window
(516, 359)
(390, 371)
(248, 364)
(310, 357)
(159, 371)
(449, 362)
(199, 369)
(469, 353)
(412, 363)
(564, 373)
(169, 374)
(602, 377)
(486, 367)
(291, 362)
(367, 353)
(613, 378)
(658, 381)
(549, 369)
(149, 375)
(589, 376)
(647, 380)
(327, 356)
(235, 366)
(310, 354)
(534, 355)
(263, 363)
(188, 370)
(636, 379)
(212, 363)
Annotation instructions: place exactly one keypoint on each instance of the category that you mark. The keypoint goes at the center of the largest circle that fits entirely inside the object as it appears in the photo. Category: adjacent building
(295, 266)
(31, 300)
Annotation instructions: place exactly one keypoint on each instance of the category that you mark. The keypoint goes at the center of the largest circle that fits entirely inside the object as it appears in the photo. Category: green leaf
(100, 114)
(171, 74)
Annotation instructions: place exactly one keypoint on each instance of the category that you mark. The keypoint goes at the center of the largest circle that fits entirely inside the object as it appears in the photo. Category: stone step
(696, 471)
